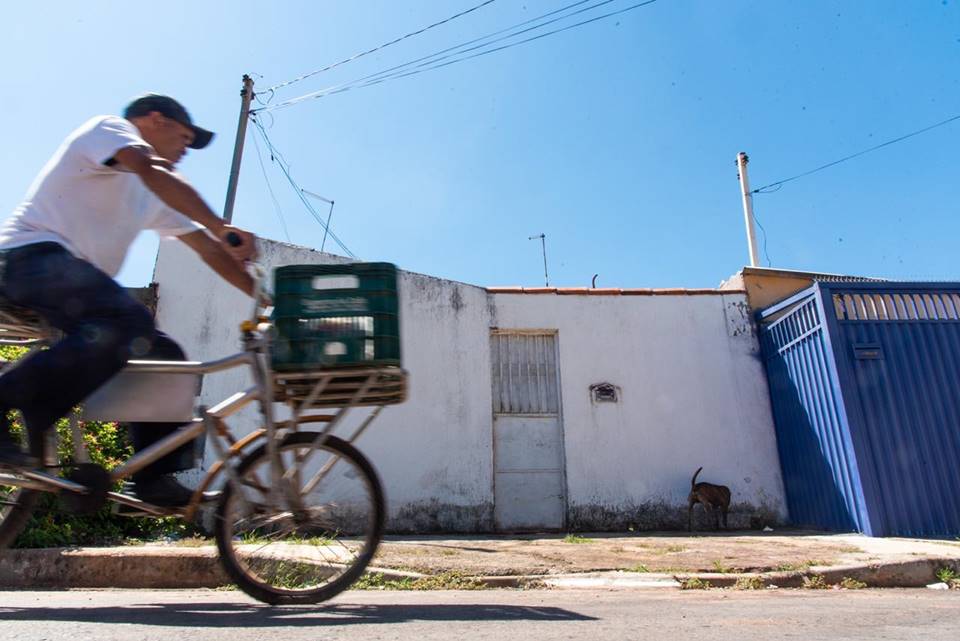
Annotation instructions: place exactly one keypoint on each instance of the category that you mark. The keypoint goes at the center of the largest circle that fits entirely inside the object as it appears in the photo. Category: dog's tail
(693, 481)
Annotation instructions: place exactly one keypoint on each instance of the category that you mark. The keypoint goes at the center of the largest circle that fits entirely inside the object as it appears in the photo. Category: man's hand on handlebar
(238, 243)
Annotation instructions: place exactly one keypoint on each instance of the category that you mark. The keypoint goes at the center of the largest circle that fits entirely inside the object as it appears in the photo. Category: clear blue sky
(617, 140)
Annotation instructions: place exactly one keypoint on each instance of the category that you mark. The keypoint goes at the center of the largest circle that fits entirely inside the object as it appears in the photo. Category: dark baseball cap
(167, 106)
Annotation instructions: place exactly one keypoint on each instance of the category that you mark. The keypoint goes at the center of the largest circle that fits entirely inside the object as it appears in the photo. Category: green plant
(694, 583)
(640, 567)
(453, 580)
(377, 581)
(291, 574)
(947, 575)
(852, 584)
(576, 539)
(748, 583)
(51, 526)
(803, 565)
(815, 582)
(720, 568)
(809, 563)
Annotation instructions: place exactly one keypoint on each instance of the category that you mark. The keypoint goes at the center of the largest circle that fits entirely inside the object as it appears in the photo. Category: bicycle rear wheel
(310, 552)
(17, 503)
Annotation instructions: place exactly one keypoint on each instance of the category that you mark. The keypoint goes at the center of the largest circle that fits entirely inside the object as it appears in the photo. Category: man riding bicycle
(60, 249)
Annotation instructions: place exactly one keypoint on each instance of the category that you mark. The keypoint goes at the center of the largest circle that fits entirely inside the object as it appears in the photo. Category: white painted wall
(693, 393)
(434, 452)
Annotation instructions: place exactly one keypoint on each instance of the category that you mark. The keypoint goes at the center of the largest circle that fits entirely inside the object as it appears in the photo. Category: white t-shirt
(93, 210)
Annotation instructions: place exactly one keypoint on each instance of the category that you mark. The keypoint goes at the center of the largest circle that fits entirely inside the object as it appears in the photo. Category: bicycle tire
(241, 572)
(17, 506)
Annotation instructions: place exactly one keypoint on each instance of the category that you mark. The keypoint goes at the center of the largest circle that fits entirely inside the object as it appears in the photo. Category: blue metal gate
(865, 385)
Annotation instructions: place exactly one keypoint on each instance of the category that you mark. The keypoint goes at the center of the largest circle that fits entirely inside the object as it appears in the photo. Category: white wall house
(539, 408)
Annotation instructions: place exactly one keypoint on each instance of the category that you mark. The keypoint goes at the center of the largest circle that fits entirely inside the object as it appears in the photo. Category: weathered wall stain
(436, 516)
(660, 515)
(456, 300)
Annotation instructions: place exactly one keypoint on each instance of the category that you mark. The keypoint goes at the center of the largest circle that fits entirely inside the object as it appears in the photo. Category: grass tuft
(748, 583)
(576, 539)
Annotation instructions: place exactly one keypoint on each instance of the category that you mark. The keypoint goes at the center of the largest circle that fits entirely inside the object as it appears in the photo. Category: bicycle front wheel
(312, 548)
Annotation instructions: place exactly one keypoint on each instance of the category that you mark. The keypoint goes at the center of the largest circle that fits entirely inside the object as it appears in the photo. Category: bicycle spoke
(319, 476)
(305, 543)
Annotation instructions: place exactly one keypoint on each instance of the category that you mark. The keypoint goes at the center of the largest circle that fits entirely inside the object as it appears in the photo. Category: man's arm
(158, 175)
(214, 255)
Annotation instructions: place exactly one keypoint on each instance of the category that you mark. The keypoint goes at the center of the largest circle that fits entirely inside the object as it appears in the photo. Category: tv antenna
(543, 243)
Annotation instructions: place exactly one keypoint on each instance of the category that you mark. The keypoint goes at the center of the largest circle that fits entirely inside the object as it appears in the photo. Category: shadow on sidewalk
(219, 615)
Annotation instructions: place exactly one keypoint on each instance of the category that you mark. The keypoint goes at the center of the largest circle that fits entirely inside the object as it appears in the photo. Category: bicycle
(302, 511)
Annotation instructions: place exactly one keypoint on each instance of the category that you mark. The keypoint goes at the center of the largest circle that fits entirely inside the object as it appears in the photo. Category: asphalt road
(185, 615)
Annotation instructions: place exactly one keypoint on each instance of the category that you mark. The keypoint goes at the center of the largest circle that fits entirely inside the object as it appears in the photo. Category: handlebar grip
(233, 239)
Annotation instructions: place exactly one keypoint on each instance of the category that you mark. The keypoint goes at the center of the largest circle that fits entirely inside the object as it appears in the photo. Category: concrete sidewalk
(589, 560)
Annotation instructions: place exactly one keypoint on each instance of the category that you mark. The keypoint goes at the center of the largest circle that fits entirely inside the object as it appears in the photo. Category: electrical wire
(779, 184)
(515, 44)
(401, 70)
(336, 88)
(281, 162)
(276, 203)
(378, 48)
(429, 62)
(756, 219)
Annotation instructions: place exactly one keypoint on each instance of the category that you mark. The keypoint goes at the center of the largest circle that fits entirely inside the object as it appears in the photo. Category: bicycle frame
(208, 421)
(363, 387)
(301, 392)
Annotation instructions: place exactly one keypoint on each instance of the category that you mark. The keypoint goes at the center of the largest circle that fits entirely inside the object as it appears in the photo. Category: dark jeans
(103, 328)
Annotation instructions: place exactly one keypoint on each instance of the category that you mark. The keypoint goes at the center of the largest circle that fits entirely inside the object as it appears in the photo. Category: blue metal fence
(865, 384)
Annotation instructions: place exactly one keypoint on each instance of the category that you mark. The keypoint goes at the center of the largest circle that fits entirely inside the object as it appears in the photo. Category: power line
(428, 62)
(276, 203)
(516, 44)
(378, 48)
(401, 70)
(276, 156)
(338, 88)
(756, 219)
(779, 184)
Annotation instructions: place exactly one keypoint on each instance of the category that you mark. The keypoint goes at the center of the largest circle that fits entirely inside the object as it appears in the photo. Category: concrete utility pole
(742, 160)
(543, 242)
(246, 95)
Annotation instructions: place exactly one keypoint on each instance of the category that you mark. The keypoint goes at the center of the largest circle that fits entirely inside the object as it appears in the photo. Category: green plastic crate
(335, 316)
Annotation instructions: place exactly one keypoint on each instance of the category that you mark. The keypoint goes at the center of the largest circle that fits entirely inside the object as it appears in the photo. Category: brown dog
(712, 497)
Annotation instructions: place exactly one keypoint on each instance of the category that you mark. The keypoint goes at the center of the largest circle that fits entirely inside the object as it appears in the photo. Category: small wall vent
(604, 393)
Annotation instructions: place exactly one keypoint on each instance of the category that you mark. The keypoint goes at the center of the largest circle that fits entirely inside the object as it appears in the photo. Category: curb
(914, 573)
(184, 568)
(124, 567)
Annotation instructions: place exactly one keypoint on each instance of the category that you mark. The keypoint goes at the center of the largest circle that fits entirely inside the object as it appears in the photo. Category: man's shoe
(164, 491)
